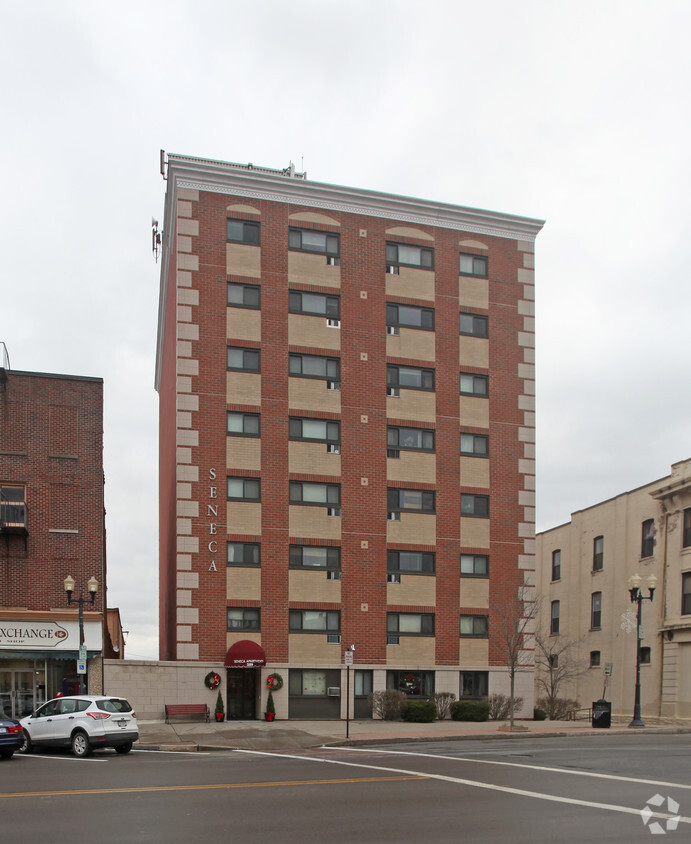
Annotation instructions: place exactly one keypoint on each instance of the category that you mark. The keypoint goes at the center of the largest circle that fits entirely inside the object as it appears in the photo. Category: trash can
(602, 713)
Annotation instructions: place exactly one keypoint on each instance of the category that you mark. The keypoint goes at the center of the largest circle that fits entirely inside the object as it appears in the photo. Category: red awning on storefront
(245, 654)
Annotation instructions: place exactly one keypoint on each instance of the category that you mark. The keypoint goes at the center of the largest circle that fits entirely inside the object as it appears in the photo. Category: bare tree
(558, 663)
(515, 621)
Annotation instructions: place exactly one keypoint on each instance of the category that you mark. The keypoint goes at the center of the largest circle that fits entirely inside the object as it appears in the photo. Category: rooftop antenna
(155, 238)
(4, 368)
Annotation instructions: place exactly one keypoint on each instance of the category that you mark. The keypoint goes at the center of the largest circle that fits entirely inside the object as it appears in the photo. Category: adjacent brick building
(51, 526)
(346, 384)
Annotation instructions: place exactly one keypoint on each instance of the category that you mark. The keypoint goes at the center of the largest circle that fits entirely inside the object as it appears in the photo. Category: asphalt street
(578, 788)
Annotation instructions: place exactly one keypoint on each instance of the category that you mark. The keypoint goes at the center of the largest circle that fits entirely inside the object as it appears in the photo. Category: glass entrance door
(242, 694)
(17, 692)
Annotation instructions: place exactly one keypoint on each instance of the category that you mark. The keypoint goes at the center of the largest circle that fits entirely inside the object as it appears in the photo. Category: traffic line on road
(210, 787)
(543, 768)
(519, 792)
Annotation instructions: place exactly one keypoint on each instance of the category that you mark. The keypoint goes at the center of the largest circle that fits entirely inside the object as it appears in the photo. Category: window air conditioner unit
(333, 385)
(393, 329)
(333, 323)
(392, 640)
(394, 516)
(333, 691)
(333, 511)
(392, 270)
(333, 638)
(392, 577)
(393, 452)
(332, 261)
(393, 392)
(333, 575)
(333, 449)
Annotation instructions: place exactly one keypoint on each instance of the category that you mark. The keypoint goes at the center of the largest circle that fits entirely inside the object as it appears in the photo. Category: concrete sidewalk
(188, 736)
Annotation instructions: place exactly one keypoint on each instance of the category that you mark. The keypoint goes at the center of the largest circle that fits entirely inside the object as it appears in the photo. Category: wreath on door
(274, 682)
(212, 680)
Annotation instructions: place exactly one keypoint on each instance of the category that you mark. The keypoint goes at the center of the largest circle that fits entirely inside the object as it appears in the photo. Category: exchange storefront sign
(30, 635)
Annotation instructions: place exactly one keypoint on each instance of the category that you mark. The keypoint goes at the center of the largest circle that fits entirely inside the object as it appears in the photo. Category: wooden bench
(186, 709)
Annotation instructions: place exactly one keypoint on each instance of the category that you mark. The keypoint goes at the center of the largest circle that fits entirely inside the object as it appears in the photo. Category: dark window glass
(645, 655)
(243, 360)
(13, 507)
(410, 562)
(314, 304)
(244, 489)
(323, 430)
(686, 538)
(411, 683)
(475, 445)
(474, 565)
(474, 626)
(648, 538)
(686, 593)
(474, 385)
(304, 492)
(412, 439)
(473, 324)
(242, 554)
(307, 240)
(314, 621)
(410, 377)
(554, 618)
(596, 610)
(410, 316)
(556, 564)
(412, 500)
(475, 505)
(313, 556)
(243, 618)
(244, 295)
(473, 265)
(242, 231)
(409, 256)
(598, 553)
(410, 623)
(315, 366)
(242, 424)
(594, 659)
(474, 684)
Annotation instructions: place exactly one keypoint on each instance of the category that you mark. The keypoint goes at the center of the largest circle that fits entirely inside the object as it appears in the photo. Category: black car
(11, 737)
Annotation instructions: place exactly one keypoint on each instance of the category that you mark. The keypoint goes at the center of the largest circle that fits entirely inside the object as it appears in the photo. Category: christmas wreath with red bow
(212, 680)
(274, 682)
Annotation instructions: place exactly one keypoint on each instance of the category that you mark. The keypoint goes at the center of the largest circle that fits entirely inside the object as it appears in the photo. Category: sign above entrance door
(245, 654)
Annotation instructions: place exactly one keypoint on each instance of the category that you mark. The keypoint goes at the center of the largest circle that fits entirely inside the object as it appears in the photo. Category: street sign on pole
(608, 669)
(348, 657)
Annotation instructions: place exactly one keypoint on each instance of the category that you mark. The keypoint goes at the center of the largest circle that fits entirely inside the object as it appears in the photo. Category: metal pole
(347, 701)
(636, 722)
(81, 638)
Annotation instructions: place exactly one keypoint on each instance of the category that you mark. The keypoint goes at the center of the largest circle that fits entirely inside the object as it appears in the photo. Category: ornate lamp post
(634, 585)
(92, 586)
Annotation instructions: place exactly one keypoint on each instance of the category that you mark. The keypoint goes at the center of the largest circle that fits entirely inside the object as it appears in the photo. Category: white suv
(82, 722)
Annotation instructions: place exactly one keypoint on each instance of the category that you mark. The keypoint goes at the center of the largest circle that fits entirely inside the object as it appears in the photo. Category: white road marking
(569, 771)
(58, 758)
(520, 792)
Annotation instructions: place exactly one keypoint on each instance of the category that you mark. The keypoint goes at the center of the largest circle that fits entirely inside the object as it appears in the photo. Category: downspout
(663, 593)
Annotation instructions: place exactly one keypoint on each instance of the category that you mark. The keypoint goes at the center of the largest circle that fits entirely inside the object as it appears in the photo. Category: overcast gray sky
(574, 112)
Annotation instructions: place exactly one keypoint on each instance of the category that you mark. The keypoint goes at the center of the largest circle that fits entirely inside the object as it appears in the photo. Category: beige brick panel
(529, 355)
(187, 615)
(188, 297)
(187, 262)
(188, 227)
(243, 388)
(412, 590)
(243, 260)
(411, 343)
(473, 412)
(304, 648)
(312, 331)
(474, 532)
(184, 562)
(233, 638)
(473, 351)
(412, 404)
(526, 530)
(472, 244)
(412, 466)
(187, 580)
(183, 419)
(243, 453)
(188, 508)
(183, 491)
(187, 402)
(526, 498)
(188, 544)
(474, 472)
(244, 518)
(525, 246)
(526, 370)
(187, 651)
(473, 652)
(243, 209)
(184, 633)
(529, 514)
(186, 437)
(243, 583)
(183, 244)
(187, 473)
(184, 598)
(184, 527)
(243, 324)
(187, 331)
(525, 339)
(412, 282)
(526, 435)
(529, 388)
(313, 217)
(304, 268)
(184, 208)
(529, 420)
(526, 402)
(313, 586)
(413, 529)
(183, 384)
(529, 451)
(312, 458)
(473, 292)
(526, 277)
(312, 394)
(526, 467)
(526, 561)
(184, 313)
(526, 308)
(184, 349)
(412, 651)
(191, 194)
(183, 278)
(312, 522)
(408, 231)
(183, 455)
(474, 593)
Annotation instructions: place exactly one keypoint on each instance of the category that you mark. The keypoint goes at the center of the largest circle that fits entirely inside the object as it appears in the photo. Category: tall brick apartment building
(51, 526)
(346, 385)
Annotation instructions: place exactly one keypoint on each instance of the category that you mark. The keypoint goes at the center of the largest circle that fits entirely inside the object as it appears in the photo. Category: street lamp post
(634, 585)
(92, 586)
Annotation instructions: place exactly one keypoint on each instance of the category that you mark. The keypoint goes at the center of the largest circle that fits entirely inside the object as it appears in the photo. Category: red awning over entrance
(245, 654)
